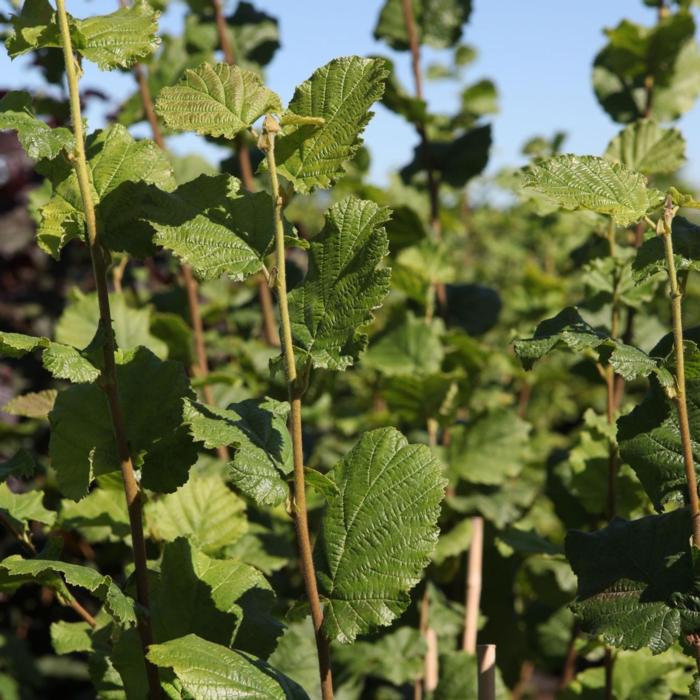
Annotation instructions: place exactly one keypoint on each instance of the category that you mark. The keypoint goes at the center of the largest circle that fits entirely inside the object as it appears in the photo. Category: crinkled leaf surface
(213, 227)
(218, 100)
(82, 442)
(341, 92)
(121, 170)
(258, 433)
(15, 571)
(490, 449)
(589, 182)
(649, 436)
(568, 330)
(342, 286)
(648, 148)
(209, 671)
(62, 361)
(38, 139)
(378, 533)
(204, 510)
(119, 39)
(438, 22)
(635, 581)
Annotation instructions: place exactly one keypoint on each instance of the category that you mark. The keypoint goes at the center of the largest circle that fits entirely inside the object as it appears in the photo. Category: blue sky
(538, 52)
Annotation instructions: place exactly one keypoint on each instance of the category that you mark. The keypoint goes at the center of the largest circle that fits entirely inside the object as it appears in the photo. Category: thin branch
(681, 402)
(473, 588)
(270, 129)
(109, 376)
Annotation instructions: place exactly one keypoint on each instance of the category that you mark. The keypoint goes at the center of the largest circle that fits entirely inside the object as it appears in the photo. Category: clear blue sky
(539, 54)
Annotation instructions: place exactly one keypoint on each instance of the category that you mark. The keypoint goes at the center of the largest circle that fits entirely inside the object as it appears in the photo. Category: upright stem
(473, 591)
(301, 521)
(677, 318)
(264, 296)
(109, 373)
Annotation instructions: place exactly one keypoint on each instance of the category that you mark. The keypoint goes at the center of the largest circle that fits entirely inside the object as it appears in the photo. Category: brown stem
(295, 389)
(609, 663)
(486, 659)
(684, 426)
(473, 588)
(270, 333)
(569, 669)
(108, 378)
(87, 617)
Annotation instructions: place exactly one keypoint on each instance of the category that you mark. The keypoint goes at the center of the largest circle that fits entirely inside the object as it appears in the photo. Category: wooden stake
(431, 661)
(473, 589)
(486, 658)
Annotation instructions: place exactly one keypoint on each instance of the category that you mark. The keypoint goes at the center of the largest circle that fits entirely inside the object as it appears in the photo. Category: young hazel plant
(385, 491)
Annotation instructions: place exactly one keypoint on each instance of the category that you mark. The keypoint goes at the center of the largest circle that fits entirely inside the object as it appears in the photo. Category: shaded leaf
(646, 147)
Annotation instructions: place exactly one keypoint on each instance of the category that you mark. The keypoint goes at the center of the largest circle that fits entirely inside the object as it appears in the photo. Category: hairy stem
(108, 377)
(301, 521)
(269, 327)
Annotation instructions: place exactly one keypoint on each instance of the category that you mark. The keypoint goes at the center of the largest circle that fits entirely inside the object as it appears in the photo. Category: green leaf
(21, 464)
(119, 39)
(213, 227)
(438, 23)
(79, 324)
(457, 160)
(82, 443)
(35, 404)
(651, 256)
(341, 93)
(116, 163)
(398, 100)
(649, 436)
(389, 495)
(458, 677)
(567, 330)
(489, 449)
(666, 52)
(204, 511)
(397, 657)
(257, 431)
(200, 595)
(410, 348)
(71, 637)
(19, 509)
(38, 139)
(588, 182)
(218, 100)
(207, 671)
(102, 515)
(635, 581)
(646, 147)
(15, 571)
(62, 361)
(343, 285)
